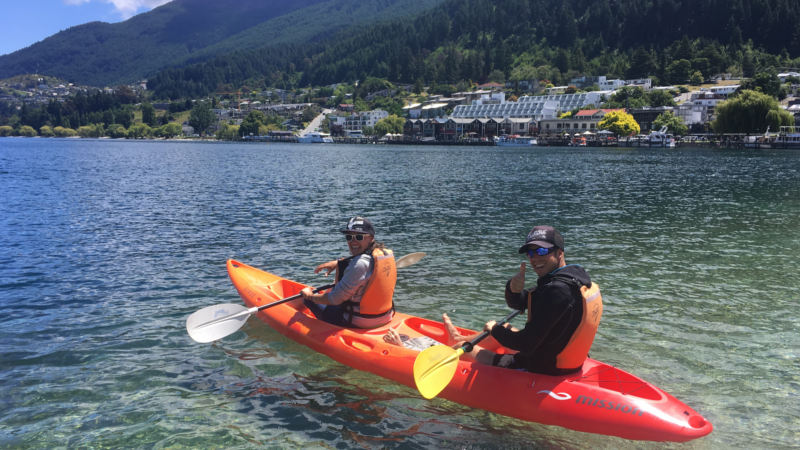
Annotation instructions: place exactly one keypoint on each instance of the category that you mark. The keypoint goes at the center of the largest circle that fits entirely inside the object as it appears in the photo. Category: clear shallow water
(106, 247)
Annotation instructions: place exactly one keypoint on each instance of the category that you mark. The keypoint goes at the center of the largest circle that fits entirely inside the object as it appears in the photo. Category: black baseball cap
(543, 236)
(359, 224)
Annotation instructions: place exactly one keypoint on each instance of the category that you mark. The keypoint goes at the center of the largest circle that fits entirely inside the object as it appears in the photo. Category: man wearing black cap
(564, 309)
(362, 296)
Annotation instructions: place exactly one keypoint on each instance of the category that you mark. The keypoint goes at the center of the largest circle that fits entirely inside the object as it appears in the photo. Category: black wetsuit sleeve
(548, 309)
(518, 300)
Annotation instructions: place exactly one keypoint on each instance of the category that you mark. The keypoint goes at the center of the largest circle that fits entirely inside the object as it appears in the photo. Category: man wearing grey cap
(362, 296)
(564, 310)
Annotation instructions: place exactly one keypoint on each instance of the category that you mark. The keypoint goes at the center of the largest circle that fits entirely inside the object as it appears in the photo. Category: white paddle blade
(409, 259)
(216, 321)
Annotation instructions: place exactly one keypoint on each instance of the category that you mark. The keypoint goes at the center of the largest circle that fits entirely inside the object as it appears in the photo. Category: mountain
(554, 40)
(185, 31)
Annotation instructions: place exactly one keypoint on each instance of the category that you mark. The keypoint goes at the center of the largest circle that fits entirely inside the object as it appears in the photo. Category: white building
(644, 83)
(413, 111)
(723, 90)
(610, 85)
(536, 107)
(358, 120)
(690, 114)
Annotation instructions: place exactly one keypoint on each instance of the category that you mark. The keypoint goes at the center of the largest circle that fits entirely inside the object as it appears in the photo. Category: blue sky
(25, 22)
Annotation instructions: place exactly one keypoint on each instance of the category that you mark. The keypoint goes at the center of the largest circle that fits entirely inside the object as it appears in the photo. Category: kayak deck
(600, 398)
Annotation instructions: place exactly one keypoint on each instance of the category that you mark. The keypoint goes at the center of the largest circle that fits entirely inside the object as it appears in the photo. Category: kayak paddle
(435, 366)
(217, 321)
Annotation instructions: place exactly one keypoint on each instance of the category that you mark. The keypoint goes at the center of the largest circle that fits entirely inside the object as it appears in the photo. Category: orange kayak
(599, 399)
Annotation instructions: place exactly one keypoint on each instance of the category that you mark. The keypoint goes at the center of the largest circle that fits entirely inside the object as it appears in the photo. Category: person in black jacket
(555, 311)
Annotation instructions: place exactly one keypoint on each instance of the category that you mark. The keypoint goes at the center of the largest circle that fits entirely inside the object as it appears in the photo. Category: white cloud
(125, 8)
(130, 7)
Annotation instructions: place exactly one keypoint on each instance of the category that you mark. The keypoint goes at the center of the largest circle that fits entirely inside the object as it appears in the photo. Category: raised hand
(517, 283)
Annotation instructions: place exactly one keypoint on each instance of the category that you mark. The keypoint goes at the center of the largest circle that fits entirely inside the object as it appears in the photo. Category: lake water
(107, 246)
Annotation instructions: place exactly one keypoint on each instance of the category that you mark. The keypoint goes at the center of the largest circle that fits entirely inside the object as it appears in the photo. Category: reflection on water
(106, 247)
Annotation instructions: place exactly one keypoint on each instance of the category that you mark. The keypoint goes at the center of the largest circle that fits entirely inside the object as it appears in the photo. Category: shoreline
(736, 142)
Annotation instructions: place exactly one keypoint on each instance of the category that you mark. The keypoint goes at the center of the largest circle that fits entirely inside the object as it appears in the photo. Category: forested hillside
(183, 31)
(524, 40)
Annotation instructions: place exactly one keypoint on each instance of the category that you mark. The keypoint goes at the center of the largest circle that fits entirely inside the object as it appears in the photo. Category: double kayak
(600, 398)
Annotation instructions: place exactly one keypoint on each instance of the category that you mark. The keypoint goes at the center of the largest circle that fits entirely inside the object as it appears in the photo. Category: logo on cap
(535, 235)
(356, 222)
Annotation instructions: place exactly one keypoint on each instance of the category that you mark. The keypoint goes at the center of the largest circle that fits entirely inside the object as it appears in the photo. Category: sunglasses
(350, 237)
(541, 251)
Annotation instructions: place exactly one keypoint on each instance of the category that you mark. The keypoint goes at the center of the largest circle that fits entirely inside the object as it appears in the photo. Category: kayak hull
(599, 399)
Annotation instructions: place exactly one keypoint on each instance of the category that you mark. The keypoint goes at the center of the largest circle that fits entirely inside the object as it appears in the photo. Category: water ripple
(107, 246)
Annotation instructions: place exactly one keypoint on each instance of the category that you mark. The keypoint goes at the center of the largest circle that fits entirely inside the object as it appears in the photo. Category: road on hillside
(315, 124)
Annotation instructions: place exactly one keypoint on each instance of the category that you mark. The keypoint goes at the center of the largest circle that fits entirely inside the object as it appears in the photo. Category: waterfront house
(518, 125)
(584, 120)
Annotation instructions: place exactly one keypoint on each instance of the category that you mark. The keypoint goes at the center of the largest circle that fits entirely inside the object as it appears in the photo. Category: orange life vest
(378, 294)
(577, 349)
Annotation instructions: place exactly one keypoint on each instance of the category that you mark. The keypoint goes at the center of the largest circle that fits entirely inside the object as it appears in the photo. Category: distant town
(487, 114)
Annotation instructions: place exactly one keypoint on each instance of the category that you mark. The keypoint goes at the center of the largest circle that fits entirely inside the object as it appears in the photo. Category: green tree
(140, 131)
(27, 131)
(149, 114)
(251, 124)
(679, 71)
(116, 131)
(628, 97)
(620, 123)
(523, 72)
(46, 131)
(748, 64)
(696, 78)
(673, 123)
(497, 76)
(169, 130)
(766, 82)
(6, 130)
(64, 132)
(264, 130)
(201, 117)
(93, 131)
(85, 131)
(642, 64)
(228, 132)
(371, 85)
(660, 97)
(750, 112)
(418, 86)
(391, 124)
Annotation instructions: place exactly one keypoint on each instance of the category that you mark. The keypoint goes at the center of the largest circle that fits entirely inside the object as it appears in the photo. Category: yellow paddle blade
(434, 368)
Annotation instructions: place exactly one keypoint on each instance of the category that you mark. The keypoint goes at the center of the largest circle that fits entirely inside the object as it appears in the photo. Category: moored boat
(787, 137)
(315, 137)
(661, 138)
(599, 398)
(515, 141)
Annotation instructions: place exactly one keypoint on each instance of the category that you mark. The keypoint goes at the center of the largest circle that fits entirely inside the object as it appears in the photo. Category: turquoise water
(106, 247)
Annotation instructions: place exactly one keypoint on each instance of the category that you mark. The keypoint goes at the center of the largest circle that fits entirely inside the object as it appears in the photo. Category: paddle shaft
(468, 346)
(294, 297)
(256, 309)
